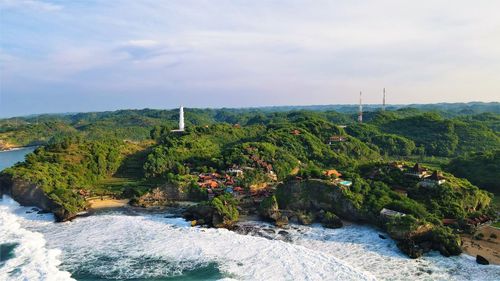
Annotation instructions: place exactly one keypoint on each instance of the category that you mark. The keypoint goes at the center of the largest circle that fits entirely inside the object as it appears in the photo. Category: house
(435, 179)
(235, 171)
(238, 189)
(397, 165)
(295, 132)
(417, 171)
(209, 184)
(337, 138)
(332, 173)
(387, 213)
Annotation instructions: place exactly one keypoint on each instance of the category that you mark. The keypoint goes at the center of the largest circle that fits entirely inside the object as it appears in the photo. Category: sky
(74, 56)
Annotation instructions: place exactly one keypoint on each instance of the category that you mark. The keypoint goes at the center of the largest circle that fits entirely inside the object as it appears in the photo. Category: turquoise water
(209, 272)
(7, 251)
(347, 183)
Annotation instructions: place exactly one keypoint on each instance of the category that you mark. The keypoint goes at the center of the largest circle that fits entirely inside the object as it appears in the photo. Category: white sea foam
(116, 246)
(361, 247)
(32, 260)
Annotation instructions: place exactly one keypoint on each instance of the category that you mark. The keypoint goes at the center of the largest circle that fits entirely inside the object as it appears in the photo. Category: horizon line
(248, 107)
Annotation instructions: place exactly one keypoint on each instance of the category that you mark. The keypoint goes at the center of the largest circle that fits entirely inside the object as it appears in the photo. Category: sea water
(123, 245)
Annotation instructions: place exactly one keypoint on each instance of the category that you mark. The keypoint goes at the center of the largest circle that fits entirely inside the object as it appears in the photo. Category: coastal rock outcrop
(220, 212)
(154, 198)
(269, 209)
(416, 237)
(162, 196)
(317, 196)
(29, 194)
(482, 260)
(309, 201)
(330, 220)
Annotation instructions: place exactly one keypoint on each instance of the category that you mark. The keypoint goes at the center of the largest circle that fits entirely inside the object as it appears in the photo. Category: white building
(181, 120)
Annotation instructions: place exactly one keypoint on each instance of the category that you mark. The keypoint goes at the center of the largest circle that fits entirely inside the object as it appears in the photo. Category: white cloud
(145, 43)
(30, 4)
(294, 51)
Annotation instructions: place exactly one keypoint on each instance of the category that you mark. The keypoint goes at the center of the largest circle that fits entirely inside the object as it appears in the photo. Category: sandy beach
(488, 246)
(107, 203)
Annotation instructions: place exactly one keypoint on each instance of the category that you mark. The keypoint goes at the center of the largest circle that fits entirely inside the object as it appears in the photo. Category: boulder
(482, 260)
(199, 212)
(330, 220)
(411, 249)
(305, 218)
(269, 210)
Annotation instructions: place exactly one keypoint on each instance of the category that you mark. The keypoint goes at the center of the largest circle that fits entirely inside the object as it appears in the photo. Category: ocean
(129, 245)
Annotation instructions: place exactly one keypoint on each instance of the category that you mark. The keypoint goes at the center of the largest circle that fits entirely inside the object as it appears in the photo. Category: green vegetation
(225, 209)
(129, 153)
(68, 167)
(481, 168)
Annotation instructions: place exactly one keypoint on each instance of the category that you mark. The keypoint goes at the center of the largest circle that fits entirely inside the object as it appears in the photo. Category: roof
(391, 213)
(418, 168)
(332, 172)
(436, 176)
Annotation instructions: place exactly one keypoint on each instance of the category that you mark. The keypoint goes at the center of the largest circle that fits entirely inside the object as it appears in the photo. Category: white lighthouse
(181, 119)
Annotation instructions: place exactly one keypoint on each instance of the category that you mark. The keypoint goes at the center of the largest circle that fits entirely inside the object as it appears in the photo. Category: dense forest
(83, 154)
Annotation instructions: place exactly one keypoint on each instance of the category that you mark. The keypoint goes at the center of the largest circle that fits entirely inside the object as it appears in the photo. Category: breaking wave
(27, 257)
(117, 246)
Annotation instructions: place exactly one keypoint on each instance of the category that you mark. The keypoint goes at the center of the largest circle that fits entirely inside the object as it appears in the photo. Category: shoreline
(470, 252)
(17, 148)
(98, 204)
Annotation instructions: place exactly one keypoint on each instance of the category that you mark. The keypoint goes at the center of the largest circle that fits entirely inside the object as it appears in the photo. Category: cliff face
(317, 196)
(161, 196)
(28, 194)
(174, 193)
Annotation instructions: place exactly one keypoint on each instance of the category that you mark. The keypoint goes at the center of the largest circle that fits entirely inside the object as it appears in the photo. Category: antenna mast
(383, 102)
(360, 113)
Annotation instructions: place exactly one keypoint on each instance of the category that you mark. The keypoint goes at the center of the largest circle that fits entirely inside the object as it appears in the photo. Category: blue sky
(68, 56)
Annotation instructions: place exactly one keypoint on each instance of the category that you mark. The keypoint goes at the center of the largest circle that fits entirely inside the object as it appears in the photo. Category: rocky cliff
(162, 196)
(28, 194)
(311, 201)
(308, 201)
